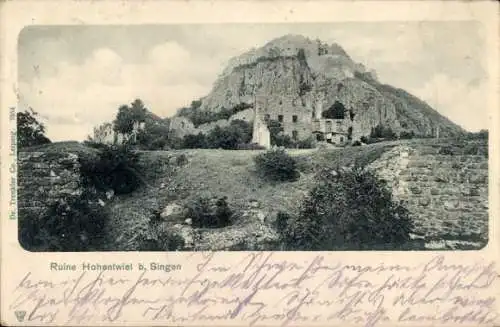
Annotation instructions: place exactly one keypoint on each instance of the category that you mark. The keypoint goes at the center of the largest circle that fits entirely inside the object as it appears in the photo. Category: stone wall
(445, 190)
(43, 178)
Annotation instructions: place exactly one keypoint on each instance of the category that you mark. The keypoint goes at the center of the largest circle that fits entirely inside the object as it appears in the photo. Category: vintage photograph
(345, 136)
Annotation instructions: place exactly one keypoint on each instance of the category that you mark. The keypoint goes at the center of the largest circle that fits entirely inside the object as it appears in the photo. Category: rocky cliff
(296, 74)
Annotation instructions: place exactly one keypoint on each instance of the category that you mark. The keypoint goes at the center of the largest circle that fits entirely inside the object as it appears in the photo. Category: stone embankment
(43, 179)
(444, 187)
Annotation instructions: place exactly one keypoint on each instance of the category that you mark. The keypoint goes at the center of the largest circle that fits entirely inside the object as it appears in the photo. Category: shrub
(181, 160)
(199, 117)
(356, 143)
(349, 133)
(74, 223)
(406, 135)
(446, 150)
(283, 140)
(151, 142)
(308, 143)
(174, 142)
(282, 220)
(194, 141)
(229, 137)
(209, 212)
(250, 146)
(95, 145)
(115, 167)
(482, 134)
(472, 149)
(277, 165)
(383, 132)
(349, 209)
(165, 241)
(172, 242)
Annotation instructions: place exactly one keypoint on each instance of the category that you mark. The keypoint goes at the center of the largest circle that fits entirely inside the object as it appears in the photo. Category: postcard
(249, 163)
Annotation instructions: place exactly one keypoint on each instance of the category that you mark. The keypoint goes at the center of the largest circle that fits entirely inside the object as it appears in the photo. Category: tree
(128, 115)
(30, 131)
(337, 111)
(229, 137)
(194, 141)
(154, 136)
(138, 110)
(242, 129)
(123, 122)
(381, 131)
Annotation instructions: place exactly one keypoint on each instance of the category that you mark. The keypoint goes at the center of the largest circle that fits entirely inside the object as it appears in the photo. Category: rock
(261, 216)
(189, 221)
(249, 237)
(101, 202)
(254, 204)
(110, 194)
(162, 185)
(187, 234)
(172, 210)
(295, 75)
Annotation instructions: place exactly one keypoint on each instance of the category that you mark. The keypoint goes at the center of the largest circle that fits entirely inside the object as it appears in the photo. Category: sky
(76, 77)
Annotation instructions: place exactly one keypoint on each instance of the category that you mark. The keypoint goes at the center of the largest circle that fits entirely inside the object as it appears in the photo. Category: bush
(199, 117)
(181, 160)
(277, 165)
(192, 141)
(115, 167)
(95, 145)
(383, 132)
(404, 135)
(446, 150)
(282, 220)
(482, 134)
(356, 143)
(229, 137)
(164, 241)
(250, 146)
(74, 223)
(209, 212)
(349, 209)
(174, 142)
(284, 141)
(308, 143)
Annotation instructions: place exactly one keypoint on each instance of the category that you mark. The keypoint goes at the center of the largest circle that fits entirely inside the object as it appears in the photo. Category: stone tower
(260, 133)
(318, 107)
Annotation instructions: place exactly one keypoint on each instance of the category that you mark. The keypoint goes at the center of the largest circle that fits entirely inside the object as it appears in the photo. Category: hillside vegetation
(222, 174)
(210, 199)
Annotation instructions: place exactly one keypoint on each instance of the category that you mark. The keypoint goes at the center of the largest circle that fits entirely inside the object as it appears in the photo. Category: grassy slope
(219, 173)
(232, 174)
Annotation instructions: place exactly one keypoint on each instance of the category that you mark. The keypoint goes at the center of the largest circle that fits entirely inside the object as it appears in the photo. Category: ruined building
(105, 134)
(333, 125)
(261, 134)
